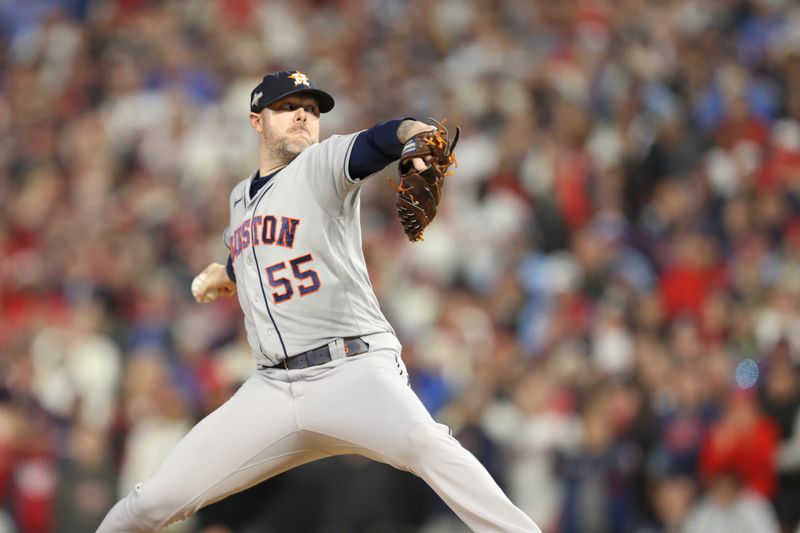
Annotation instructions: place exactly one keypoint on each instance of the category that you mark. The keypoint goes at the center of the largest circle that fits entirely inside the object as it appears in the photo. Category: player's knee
(152, 510)
(144, 508)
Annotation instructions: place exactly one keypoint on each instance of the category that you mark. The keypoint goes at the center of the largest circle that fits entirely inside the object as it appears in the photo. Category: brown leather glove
(419, 191)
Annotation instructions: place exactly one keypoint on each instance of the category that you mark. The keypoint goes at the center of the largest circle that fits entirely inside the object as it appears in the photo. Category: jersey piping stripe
(346, 168)
(260, 280)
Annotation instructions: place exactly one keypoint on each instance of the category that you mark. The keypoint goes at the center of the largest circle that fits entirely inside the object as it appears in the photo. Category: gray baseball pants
(281, 419)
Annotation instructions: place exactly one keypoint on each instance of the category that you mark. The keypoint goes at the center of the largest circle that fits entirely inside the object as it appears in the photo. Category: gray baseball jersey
(296, 247)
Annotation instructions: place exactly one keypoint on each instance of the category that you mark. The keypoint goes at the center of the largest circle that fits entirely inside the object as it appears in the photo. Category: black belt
(319, 356)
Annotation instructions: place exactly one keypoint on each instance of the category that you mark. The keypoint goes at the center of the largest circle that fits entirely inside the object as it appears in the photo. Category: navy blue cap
(276, 85)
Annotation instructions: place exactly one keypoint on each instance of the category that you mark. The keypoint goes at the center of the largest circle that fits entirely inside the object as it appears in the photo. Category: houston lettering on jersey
(264, 229)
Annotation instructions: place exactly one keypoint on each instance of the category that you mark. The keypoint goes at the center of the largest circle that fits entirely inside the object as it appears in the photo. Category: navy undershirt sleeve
(375, 148)
(229, 269)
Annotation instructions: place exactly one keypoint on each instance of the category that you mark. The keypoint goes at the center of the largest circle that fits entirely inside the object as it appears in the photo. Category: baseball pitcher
(330, 379)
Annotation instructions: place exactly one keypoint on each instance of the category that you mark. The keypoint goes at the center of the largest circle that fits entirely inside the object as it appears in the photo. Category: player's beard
(284, 149)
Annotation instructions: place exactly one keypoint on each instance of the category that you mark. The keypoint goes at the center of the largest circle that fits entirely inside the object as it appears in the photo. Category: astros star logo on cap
(299, 78)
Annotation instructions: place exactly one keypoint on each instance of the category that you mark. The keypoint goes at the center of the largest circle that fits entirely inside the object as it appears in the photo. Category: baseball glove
(419, 191)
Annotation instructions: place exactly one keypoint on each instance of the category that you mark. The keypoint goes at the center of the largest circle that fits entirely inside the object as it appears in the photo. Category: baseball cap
(276, 85)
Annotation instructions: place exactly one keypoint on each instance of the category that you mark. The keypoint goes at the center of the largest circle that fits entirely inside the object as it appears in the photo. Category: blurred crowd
(606, 310)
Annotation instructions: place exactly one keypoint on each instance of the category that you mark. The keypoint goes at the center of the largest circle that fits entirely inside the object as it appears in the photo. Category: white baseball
(198, 287)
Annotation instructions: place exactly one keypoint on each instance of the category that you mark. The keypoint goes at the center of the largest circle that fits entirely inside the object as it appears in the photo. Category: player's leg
(368, 406)
(252, 437)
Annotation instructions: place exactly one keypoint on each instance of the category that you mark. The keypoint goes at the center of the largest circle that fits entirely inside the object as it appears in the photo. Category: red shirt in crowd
(745, 444)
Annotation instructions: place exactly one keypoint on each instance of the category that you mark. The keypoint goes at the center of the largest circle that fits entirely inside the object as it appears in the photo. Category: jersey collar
(256, 174)
(246, 192)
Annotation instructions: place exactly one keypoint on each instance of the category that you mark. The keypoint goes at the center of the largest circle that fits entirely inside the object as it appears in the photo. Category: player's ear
(256, 121)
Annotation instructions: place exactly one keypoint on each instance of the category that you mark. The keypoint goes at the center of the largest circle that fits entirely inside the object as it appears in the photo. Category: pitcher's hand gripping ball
(420, 189)
(212, 283)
